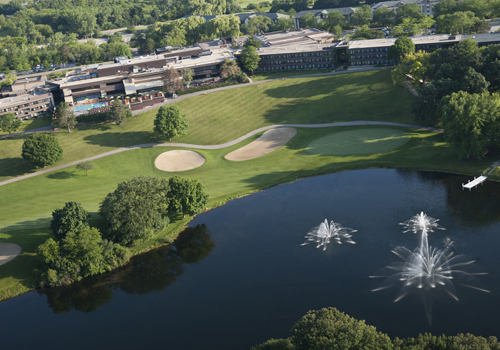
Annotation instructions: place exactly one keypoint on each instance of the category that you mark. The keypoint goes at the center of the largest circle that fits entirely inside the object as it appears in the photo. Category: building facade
(27, 106)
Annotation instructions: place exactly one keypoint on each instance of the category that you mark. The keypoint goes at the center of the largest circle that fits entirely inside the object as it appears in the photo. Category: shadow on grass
(15, 167)
(26, 225)
(122, 139)
(61, 175)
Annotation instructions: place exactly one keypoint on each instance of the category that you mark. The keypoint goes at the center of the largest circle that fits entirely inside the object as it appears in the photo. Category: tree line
(456, 89)
(133, 213)
(329, 328)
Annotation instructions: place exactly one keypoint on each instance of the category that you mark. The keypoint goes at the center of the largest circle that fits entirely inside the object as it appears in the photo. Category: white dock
(474, 182)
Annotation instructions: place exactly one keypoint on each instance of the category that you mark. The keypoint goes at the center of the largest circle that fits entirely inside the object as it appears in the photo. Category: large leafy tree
(9, 122)
(81, 253)
(170, 122)
(172, 80)
(384, 17)
(187, 196)
(42, 149)
(65, 117)
(72, 217)
(135, 210)
(413, 66)
(426, 103)
(331, 329)
(250, 58)
(118, 113)
(470, 122)
(402, 46)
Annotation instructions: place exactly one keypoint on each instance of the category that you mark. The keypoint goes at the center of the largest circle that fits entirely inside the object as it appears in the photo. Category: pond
(239, 275)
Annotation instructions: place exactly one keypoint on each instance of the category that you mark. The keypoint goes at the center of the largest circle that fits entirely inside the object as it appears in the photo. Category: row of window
(378, 49)
(24, 105)
(362, 63)
(26, 111)
(294, 61)
(295, 67)
(368, 56)
(307, 54)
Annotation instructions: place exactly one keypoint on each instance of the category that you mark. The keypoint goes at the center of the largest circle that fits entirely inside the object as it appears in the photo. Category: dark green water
(239, 276)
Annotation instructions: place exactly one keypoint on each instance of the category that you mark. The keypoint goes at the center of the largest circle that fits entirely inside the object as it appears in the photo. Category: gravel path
(223, 145)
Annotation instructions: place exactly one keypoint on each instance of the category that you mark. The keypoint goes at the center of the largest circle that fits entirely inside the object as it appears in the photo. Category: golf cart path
(222, 145)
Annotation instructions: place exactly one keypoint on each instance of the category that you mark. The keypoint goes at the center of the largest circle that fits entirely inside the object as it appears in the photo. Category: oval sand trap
(180, 160)
(8, 251)
(270, 141)
(360, 141)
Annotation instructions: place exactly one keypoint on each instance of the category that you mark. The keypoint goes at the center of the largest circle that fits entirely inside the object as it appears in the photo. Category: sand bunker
(270, 141)
(8, 251)
(179, 160)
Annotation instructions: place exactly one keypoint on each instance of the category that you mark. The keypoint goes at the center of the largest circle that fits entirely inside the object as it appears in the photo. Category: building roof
(393, 3)
(311, 35)
(17, 100)
(278, 50)
(344, 10)
(244, 16)
(418, 40)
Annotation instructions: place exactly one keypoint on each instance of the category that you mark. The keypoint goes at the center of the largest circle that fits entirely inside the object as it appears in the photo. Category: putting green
(361, 141)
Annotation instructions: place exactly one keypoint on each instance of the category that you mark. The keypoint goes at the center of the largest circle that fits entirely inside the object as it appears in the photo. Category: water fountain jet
(326, 232)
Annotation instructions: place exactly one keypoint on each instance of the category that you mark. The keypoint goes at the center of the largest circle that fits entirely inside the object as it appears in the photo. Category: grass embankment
(225, 115)
(27, 212)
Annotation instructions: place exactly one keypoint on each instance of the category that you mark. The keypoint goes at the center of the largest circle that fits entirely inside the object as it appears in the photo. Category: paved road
(223, 145)
(45, 128)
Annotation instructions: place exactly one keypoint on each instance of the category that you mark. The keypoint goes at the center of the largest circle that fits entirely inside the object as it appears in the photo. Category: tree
(470, 122)
(250, 58)
(458, 23)
(384, 17)
(252, 42)
(72, 217)
(187, 196)
(42, 149)
(81, 253)
(365, 32)
(412, 66)
(230, 70)
(135, 210)
(401, 47)
(187, 75)
(65, 117)
(170, 122)
(363, 15)
(425, 105)
(171, 80)
(283, 24)
(329, 328)
(333, 19)
(9, 122)
(118, 113)
(258, 24)
(308, 20)
(474, 82)
(85, 166)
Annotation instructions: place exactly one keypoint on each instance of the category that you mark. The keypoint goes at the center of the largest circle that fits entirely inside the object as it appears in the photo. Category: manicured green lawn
(226, 115)
(277, 75)
(27, 211)
(360, 141)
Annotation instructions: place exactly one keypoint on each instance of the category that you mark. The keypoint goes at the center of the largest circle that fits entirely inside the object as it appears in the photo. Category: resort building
(321, 14)
(30, 105)
(295, 49)
(23, 85)
(137, 82)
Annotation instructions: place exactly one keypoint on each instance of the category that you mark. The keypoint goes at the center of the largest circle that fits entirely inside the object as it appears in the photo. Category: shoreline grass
(27, 214)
